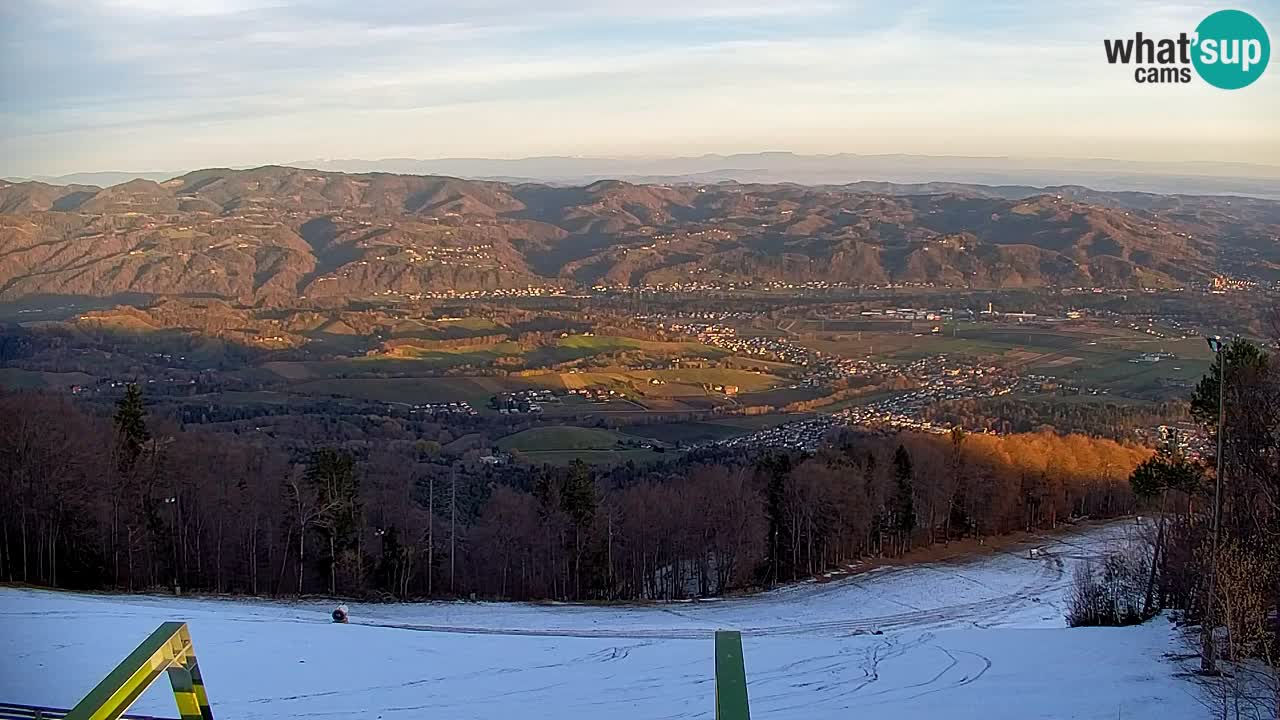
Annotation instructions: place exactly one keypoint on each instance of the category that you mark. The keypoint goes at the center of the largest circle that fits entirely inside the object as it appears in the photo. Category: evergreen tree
(578, 500)
(776, 468)
(131, 427)
(1243, 360)
(904, 504)
(578, 496)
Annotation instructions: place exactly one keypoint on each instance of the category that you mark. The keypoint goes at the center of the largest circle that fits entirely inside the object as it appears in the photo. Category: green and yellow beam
(731, 677)
(167, 650)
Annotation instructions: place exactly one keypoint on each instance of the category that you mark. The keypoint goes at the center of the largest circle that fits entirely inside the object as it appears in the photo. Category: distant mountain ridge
(838, 169)
(100, 179)
(281, 236)
(1188, 177)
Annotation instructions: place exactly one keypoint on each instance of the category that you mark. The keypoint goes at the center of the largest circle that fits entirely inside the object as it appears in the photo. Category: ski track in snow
(980, 639)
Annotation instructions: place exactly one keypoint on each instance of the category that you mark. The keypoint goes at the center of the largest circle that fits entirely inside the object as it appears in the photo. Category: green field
(562, 444)
(612, 343)
(578, 347)
(409, 359)
(681, 393)
(446, 357)
(746, 380)
(783, 396)
(677, 384)
(475, 390)
(16, 379)
(598, 457)
(444, 328)
(1093, 355)
(687, 432)
(474, 325)
(1169, 377)
(561, 437)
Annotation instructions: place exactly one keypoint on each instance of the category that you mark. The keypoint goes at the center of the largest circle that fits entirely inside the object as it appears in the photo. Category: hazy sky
(177, 84)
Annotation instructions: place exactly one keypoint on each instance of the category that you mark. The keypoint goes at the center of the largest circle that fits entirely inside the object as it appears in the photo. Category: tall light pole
(177, 530)
(1208, 658)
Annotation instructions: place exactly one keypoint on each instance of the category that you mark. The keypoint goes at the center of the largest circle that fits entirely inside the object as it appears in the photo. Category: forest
(1209, 555)
(1115, 420)
(136, 501)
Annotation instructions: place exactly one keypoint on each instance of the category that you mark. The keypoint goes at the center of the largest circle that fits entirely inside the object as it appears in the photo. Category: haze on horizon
(158, 85)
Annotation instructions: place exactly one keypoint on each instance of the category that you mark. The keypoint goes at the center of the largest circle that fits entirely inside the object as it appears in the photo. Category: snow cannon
(340, 614)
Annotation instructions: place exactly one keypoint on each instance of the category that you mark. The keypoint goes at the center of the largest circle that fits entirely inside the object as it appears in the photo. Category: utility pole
(431, 526)
(1208, 656)
(453, 522)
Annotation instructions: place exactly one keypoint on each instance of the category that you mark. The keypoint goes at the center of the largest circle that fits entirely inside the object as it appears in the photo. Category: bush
(1110, 595)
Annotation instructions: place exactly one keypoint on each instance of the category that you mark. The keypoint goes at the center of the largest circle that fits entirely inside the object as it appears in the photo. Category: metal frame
(167, 650)
(731, 677)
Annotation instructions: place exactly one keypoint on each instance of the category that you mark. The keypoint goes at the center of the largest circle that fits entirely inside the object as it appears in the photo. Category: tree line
(1212, 554)
(1104, 418)
(135, 501)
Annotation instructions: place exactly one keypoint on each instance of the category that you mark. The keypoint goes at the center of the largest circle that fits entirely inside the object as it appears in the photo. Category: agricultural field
(686, 432)
(462, 326)
(596, 457)
(407, 359)
(640, 397)
(448, 357)
(717, 428)
(561, 437)
(16, 379)
(613, 343)
(561, 444)
(681, 384)
(1169, 377)
(782, 396)
(475, 390)
(1095, 355)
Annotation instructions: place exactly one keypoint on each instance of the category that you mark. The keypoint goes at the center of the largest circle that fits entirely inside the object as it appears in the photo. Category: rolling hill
(278, 236)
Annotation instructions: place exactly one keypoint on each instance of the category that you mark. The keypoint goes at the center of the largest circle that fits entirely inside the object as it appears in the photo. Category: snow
(979, 639)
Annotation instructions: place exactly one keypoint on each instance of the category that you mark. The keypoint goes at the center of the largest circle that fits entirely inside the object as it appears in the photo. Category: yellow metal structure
(167, 650)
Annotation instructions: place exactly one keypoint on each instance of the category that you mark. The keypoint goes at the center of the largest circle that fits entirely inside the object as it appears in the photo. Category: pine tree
(131, 427)
(904, 504)
(578, 500)
(777, 468)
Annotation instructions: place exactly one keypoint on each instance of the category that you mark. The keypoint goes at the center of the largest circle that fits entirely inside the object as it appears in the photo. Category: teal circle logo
(1232, 49)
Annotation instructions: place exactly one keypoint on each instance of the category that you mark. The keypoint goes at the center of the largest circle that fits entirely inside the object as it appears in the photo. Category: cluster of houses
(595, 394)
(453, 408)
(715, 333)
(522, 402)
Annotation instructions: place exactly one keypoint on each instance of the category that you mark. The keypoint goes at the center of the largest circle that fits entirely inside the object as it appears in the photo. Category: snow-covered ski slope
(977, 639)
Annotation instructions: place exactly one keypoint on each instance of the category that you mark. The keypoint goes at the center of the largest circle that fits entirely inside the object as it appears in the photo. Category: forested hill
(281, 236)
(138, 503)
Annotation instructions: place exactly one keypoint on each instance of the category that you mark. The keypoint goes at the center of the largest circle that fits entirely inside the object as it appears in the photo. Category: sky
(149, 85)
